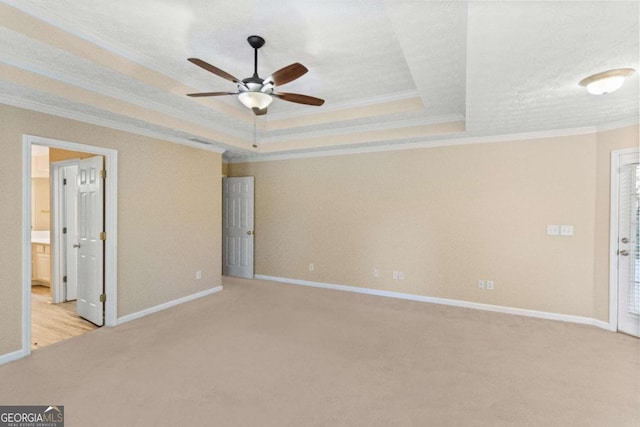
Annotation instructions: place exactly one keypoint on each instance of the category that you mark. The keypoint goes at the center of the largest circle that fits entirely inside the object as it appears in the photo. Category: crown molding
(412, 145)
(113, 92)
(85, 118)
(82, 32)
(371, 127)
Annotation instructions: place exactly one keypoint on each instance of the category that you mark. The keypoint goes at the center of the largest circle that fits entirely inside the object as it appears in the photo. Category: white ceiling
(391, 71)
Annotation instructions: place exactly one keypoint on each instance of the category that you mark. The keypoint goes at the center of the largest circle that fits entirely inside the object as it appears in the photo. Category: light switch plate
(566, 230)
(553, 230)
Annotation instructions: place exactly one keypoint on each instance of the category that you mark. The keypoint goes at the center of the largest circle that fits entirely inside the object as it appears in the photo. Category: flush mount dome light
(607, 81)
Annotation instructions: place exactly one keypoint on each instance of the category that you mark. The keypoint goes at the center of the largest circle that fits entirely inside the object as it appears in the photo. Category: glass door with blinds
(628, 245)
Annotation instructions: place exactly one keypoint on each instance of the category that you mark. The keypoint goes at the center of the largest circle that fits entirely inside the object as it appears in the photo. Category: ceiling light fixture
(255, 92)
(258, 100)
(606, 81)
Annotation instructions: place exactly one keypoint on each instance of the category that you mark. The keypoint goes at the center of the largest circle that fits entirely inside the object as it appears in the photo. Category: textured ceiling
(391, 71)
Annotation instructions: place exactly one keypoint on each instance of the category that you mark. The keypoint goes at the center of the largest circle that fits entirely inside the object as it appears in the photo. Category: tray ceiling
(391, 72)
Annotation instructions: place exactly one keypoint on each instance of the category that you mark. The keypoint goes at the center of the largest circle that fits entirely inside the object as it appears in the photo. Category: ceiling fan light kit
(606, 81)
(253, 100)
(254, 92)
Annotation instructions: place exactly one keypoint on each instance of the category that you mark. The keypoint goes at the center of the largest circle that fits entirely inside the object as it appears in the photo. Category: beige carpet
(266, 354)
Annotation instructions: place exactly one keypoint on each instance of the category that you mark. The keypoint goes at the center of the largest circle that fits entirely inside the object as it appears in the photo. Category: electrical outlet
(376, 272)
(395, 275)
(553, 230)
(311, 267)
(490, 285)
(481, 284)
(198, 274)
(400, 275)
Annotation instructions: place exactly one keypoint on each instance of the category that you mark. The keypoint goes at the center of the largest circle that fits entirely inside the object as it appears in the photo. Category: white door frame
(111, 218)
(616, 156)
(57, 222)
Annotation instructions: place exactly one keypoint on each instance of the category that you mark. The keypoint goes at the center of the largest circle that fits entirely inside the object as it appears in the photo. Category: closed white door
(237, 222)
(90, 246)
(628, 251)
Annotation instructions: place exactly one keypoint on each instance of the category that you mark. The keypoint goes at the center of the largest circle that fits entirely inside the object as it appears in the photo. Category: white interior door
(90, 246)
(64, 210)
(70, 224)
(237, 221)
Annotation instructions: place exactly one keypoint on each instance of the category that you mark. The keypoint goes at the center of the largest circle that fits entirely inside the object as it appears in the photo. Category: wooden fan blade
(259, 112)
(215, 70)
(288, 73)
(211, 94)
(300, 99)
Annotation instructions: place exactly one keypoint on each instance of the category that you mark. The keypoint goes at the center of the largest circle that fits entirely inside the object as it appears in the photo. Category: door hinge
(103, 236)
(64, 279)
(103, 174)
(103, 297)
(64, 230)
(64, 181)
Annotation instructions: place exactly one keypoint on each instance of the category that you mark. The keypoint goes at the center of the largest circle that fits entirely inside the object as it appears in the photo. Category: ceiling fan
(257, 93)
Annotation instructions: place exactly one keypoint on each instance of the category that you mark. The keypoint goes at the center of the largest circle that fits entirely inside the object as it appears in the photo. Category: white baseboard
(151, 310)
(10, 357)
(445, 301)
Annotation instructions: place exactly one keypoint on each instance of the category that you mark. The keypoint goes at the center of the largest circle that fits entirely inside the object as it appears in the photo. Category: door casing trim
(110, 224)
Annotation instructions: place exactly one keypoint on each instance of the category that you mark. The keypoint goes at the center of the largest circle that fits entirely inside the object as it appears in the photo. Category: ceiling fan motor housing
(256, 84)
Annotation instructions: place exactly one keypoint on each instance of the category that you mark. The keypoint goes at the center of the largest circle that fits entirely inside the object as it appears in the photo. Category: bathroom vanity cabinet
(41, 263)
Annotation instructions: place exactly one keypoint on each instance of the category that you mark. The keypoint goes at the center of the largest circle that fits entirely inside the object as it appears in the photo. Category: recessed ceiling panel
(490, 68)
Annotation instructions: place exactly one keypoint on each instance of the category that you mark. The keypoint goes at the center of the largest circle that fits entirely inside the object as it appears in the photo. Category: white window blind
(630, 220)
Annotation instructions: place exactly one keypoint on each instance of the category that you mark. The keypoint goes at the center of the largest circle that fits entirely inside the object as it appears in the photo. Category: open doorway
(52, 311)
(55, 315)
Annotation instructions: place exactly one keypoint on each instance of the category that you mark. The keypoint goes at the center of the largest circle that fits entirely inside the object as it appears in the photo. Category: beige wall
(58, 155)
(446, 217)
(41, 195)
(168, 215)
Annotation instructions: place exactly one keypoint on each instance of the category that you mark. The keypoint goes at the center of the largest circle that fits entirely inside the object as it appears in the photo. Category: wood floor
(51, 323)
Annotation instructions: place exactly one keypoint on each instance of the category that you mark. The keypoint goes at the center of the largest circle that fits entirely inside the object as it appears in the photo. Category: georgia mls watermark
(32, 416)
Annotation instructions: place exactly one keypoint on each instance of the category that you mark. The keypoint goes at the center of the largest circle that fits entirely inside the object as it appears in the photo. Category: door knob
(624, 240)
(76, 245)
(249, 233)
(623, 252)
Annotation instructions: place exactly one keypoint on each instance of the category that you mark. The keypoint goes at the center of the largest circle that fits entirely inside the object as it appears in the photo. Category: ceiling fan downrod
(256, 43)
